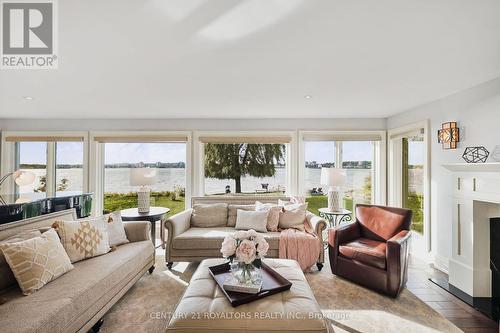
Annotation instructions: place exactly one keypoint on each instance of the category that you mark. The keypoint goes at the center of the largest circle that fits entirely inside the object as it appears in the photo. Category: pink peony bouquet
(247, 247)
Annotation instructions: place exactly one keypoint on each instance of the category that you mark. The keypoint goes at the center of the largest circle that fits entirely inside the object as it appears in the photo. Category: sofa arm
(343, 233)
(137, 231)
(317, 223)
(177, 224)
(397, 252)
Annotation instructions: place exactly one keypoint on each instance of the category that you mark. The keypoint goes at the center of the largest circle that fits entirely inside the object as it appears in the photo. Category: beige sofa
(76, 301)
(188, 243)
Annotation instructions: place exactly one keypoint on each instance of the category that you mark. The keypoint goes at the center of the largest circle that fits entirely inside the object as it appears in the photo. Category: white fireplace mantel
(476, 199)
(473, 167)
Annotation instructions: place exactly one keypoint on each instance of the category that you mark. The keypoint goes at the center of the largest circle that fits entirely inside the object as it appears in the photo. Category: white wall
(477, 111)
(192, 124)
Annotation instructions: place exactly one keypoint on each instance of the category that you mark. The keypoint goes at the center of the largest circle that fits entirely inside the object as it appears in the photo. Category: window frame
(9, 156)
(97, 151)
(379, 187)
(199, 155)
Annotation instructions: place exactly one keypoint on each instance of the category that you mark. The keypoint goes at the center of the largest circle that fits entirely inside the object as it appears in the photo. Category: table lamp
(21, 178)
(143, 177)
(334, 178)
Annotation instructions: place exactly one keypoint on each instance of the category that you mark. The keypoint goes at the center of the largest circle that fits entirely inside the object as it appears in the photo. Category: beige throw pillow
(36, 261)
(273, 218)
(293, 216)
(209, 215)
(85, 238)
(232, 213)
(256, 220)
(116, 230)
(6, 276)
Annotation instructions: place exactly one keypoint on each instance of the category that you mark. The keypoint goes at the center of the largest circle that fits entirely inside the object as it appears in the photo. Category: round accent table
(154, 214)
(335, 218)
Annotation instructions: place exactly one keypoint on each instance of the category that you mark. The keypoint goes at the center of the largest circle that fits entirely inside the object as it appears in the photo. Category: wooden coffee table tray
(272, 283)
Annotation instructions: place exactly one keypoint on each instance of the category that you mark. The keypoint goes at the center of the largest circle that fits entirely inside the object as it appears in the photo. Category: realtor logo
(28, 34)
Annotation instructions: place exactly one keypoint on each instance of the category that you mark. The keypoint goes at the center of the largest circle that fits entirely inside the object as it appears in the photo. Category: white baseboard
(441, 263)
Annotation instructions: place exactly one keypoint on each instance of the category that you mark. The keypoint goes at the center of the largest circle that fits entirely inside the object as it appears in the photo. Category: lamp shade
(333, 177)
(23, 178)
(142, 176)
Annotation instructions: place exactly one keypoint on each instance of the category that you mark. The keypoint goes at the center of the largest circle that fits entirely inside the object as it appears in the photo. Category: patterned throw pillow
(36, 261)
(116, 231)
(85, 238)
(273, 218)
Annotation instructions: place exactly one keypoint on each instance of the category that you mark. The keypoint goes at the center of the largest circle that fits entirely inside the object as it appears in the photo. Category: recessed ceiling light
(307, 96)
(28, 98)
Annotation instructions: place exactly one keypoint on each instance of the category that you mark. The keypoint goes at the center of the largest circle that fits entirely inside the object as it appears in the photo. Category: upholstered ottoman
(204, 308)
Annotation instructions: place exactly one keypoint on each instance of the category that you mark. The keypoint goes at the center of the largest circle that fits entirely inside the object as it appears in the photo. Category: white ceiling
(257, 58)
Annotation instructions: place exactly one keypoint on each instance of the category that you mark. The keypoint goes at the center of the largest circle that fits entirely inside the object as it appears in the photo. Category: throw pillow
(6, 276)
(209, 215)
(273, 218)
(116, 231)
(37, 261)
(85, 238)
(256, 220)
(293, 216)
(232, 211)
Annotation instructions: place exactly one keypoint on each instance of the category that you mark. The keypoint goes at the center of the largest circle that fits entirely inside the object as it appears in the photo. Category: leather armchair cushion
(381, 223)
(366, 251)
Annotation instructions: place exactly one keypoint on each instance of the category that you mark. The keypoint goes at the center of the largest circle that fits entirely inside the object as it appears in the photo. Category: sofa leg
(169, 265)
(151, 269)
(319, 265)
(97, 326)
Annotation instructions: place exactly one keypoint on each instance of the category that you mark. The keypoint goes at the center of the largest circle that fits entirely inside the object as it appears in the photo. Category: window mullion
(338, 154)
(50, 180)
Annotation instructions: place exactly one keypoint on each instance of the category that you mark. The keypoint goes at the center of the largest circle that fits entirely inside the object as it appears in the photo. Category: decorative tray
(272, 283)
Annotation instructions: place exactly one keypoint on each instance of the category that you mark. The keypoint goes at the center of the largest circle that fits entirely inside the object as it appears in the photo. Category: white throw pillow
(293, 216)
(273, 218)
(116, 230)
(85, 238)
(247, 219)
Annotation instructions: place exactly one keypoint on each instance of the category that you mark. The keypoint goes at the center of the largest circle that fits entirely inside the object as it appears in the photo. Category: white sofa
(193, 244)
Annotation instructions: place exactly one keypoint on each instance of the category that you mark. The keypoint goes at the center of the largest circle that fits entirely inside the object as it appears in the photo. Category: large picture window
(32, 156)
(69, 166)
(357, 154)
(168, 158)
(245, 168)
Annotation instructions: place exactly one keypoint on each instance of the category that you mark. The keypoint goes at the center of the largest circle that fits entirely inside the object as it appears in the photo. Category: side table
(154, 214)
(335, 218)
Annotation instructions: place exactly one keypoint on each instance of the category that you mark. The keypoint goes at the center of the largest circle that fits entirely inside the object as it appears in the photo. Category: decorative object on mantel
(495, 155)
(449, 135)
(475, 154)
(143, 177)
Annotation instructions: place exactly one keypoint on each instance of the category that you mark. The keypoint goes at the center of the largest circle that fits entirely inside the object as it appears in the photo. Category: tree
(234, 161)
(62, 186)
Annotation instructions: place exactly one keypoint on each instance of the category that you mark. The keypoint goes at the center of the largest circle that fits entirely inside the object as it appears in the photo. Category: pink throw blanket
(303, 246)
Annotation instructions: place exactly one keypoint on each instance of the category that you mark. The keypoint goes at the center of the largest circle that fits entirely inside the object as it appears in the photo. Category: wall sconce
(449, 135)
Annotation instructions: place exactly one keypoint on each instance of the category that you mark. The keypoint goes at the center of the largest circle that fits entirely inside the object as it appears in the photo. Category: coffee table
(204, 307)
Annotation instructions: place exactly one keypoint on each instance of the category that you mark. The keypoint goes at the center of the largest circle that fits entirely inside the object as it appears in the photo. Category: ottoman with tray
(205, 308)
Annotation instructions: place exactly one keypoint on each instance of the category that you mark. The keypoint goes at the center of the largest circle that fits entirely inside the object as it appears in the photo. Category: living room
(274, 166)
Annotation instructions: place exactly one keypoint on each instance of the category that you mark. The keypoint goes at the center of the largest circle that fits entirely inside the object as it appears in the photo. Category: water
(117, 180)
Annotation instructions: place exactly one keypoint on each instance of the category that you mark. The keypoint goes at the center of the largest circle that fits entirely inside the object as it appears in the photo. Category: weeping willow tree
(234, 161)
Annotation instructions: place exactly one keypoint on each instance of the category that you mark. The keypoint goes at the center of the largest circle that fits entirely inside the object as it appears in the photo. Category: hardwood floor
(461, 314)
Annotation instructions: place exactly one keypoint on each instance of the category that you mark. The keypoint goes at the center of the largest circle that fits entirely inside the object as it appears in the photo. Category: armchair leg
(169, 265)
(319, 265)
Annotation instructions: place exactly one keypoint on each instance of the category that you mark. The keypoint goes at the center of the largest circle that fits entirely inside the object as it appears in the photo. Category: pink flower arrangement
(248, 247)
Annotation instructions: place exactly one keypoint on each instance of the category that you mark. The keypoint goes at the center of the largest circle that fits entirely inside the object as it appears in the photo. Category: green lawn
(118, 201)
(321, 201)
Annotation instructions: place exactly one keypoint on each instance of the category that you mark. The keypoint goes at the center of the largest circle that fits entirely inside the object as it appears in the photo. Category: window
(69, 166)
(413, 179)
(357, 160)
(357, 153)
(245, 168)
(32, 156)
(168, 158)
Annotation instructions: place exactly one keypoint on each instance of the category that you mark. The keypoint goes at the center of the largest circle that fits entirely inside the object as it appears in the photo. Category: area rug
(348, 307)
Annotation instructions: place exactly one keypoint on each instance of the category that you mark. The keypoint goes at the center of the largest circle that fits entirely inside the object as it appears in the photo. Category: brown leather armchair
(373, 251)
